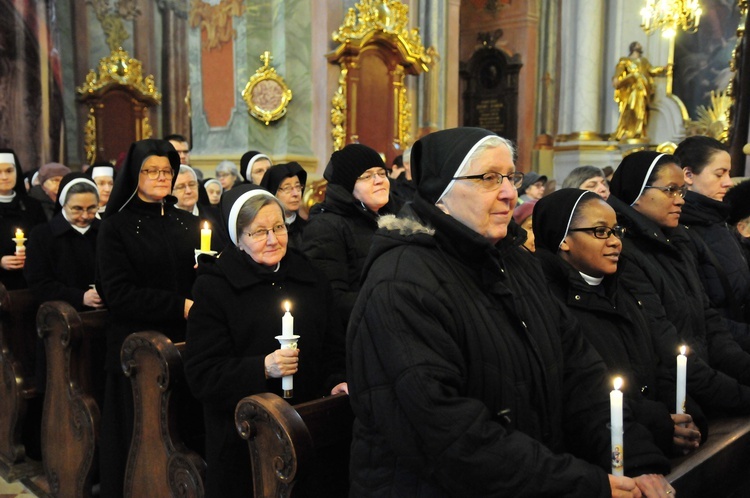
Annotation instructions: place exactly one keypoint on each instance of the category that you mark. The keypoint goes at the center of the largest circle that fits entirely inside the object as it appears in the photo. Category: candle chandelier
(671, 16)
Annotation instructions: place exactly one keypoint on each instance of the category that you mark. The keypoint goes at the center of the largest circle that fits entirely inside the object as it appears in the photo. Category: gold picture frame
(266, 94)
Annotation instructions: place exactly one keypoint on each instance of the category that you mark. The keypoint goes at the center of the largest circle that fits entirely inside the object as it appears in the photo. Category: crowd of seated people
(475, 322)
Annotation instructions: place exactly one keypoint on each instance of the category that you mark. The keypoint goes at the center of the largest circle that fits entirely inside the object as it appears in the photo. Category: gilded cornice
(381, 20)
(119, 69)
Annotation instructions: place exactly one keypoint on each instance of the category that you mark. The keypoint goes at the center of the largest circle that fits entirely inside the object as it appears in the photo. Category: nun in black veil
(17, 211)
(145, 273)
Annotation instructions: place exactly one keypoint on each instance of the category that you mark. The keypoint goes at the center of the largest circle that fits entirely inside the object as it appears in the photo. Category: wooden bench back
(17, 377)
(306, 445)
(75, 344)
(159, 463)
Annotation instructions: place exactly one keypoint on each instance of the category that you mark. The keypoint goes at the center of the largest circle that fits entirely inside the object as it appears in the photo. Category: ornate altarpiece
(118, 98)
(376, 51)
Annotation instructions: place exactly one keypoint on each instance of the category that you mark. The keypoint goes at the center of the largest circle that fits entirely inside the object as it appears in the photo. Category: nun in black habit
(17, 211)
(287, 182)
(60, 258)
(145, 273)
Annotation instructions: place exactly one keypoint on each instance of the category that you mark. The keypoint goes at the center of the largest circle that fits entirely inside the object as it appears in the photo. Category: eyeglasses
(183, 186)
(288, 189)
(262, 233)
(80, 210)
(223, 175)
(153, 174)
(602, 232)
(672, 190)
(491, 180)
(381, 173)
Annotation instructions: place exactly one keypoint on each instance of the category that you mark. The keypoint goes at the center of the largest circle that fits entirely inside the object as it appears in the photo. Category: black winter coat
(660, 269)
(25, 213)
(468, 378)
(232, 327)
(337, 239)
(614, 322)
(145, 262)
(721, 265)
(61, 262)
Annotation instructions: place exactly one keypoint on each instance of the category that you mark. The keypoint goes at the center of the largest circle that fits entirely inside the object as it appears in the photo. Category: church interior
(569, 82)
(297, 80)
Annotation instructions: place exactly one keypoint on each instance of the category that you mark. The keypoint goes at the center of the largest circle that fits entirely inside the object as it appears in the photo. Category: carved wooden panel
(75, 345)
(159, 464)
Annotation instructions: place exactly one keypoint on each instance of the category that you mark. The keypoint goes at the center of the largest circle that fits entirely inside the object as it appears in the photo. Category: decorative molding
(266, 94)
(89, 137)
(111, 19)
(216, 20)
(583, 136)
(120, 69)
(378, 19)
(714, 120)
(338, 111)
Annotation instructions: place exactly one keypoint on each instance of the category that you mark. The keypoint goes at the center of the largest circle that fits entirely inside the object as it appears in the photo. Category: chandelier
(671, 16)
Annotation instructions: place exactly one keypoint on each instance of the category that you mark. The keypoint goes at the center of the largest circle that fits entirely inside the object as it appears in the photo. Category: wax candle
(19, 240)
(615, 405)
(681, 381)
(205, 238)
(287, 321)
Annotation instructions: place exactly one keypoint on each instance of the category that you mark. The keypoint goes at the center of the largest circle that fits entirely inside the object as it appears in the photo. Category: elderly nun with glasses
(579, 244)
(61, 254)
(466, 376)
(232, 350)
(287, 183)
(145, 274)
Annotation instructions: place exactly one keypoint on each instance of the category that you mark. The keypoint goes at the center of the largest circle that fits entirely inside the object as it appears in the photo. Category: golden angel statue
(634, 90)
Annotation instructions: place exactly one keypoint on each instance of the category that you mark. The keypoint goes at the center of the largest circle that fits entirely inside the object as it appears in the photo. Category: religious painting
(702, 58)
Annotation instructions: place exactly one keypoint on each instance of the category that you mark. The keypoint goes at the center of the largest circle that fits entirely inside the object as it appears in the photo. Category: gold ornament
(266, 94)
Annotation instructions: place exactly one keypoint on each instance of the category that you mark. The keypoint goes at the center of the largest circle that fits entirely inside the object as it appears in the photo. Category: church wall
(519, 22)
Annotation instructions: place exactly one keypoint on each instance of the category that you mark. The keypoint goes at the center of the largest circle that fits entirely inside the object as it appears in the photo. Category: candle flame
(617, 383)
(683, 350)
(287, 306)
(19, 233)
(205, 225)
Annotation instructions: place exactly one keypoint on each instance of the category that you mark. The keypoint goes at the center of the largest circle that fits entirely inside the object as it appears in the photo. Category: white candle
(287, 321)
(681, 381)
(19, 240)
(615, 405)
(205, 238)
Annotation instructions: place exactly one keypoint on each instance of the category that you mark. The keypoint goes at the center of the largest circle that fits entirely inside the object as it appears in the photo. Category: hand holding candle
(288, 340)
(205, 238)
(681, 381)
(616, 426)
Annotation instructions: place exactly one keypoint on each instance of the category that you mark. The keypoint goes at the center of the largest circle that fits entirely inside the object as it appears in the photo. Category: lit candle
(681, 381)
(287, 321)
(287, 340)
(205, 238)
(19, 240)
(615, 405)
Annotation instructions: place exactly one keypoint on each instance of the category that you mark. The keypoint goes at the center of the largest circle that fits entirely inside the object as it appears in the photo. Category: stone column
(581, 139)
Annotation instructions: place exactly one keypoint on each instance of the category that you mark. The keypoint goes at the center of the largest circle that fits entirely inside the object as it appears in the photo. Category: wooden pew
(305, 445)
(75, 345)
(17, 383)
(159, 463)
(719, 467)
